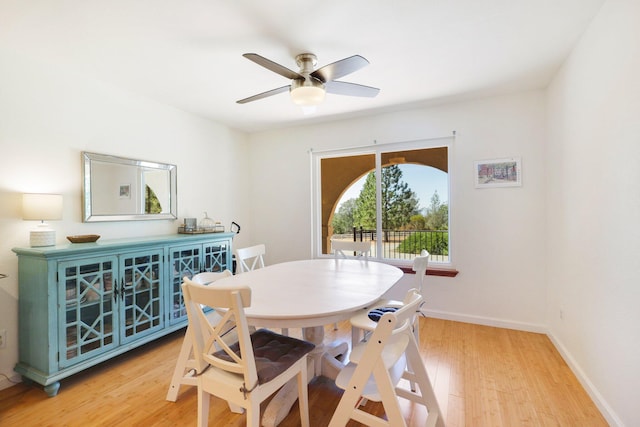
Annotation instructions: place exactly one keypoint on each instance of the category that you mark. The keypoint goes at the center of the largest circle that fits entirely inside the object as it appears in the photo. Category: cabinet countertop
(110, 244)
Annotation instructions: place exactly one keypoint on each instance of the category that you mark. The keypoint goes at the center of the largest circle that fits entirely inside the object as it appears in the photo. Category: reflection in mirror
(120, 189)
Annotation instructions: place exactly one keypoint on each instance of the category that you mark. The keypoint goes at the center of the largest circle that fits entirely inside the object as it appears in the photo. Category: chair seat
(362, 321)
(274, 353)
(370, 389)
(390, 354)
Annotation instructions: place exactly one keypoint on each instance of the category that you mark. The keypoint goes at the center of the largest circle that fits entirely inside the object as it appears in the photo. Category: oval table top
(313, 292)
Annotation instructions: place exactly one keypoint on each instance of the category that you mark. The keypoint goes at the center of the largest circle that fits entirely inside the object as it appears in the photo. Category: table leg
(322, 361)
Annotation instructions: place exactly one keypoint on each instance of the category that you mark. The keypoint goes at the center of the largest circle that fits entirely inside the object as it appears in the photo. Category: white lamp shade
(307, 95)
(42, 207)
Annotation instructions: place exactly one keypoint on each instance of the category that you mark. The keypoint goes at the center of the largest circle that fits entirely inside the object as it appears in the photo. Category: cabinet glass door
(140, 295)
(87, 311)
(214, 256)
(183, 261)
(190, 260)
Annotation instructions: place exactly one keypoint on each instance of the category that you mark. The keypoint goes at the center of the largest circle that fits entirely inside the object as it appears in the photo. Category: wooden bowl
(84, 238)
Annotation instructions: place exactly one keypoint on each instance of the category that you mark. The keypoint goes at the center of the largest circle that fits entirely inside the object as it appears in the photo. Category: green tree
(417, 222)
(364, 214)
(399, 202)
(437, 216)
(151, 202)
(342, 221)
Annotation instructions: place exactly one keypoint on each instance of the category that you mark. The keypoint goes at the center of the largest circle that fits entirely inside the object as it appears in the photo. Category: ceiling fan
(308, 86)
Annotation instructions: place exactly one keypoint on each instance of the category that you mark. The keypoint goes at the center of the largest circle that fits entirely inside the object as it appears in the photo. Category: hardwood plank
(482, 376)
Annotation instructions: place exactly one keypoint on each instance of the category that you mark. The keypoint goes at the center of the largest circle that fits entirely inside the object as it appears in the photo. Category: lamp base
(39, 238)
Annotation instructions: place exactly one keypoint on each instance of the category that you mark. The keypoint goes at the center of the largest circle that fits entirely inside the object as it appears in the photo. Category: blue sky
(423, 180)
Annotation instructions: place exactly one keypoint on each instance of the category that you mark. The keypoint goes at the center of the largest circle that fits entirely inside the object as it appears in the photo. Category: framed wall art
(505, 172)
(125, 191)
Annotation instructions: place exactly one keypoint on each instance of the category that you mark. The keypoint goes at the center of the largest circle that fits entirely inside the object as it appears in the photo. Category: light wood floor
(482, 376)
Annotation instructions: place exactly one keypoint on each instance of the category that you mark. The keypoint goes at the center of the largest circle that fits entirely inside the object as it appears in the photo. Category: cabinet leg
(52, 389)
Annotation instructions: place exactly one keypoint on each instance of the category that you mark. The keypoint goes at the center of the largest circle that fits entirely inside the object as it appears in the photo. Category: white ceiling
(188, 53)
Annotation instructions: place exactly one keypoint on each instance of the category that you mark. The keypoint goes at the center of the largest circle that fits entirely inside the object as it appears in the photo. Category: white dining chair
(185, 365)
(250, 258)
(360, 323)
(248, 371)
(376, 367)
(349, 248)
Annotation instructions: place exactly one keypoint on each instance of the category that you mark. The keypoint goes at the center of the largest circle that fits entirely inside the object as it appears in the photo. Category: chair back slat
(345, 248)
(420, 264)
(411, 305)
(250, 258)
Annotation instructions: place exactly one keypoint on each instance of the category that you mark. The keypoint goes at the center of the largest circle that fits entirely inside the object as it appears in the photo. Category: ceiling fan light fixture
(308, 92)
(307, 88)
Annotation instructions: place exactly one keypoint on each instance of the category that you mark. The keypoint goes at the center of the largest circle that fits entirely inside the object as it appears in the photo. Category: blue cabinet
(81, 304)
(189, 259)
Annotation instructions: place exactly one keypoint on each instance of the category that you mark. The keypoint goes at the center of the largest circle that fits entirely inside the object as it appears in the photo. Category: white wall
(497, 234)
(48, 116)
(594, 209)
(567, 240)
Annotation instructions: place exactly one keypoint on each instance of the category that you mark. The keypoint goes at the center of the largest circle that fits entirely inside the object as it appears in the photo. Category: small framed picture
(125, 191)
(498, 173)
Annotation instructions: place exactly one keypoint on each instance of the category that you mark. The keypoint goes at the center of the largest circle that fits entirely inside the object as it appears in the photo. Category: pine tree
(399, 202)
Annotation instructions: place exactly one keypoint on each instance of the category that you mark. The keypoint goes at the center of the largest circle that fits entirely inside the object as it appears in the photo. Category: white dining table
(310, 294)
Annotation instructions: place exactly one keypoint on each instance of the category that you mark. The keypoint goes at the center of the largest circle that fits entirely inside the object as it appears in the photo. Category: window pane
(414, 213)
(337, 175)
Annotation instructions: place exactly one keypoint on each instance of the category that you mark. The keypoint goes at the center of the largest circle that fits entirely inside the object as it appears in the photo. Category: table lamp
(42, 207)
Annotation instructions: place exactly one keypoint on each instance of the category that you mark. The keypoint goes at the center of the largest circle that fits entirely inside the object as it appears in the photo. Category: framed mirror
(121, 189)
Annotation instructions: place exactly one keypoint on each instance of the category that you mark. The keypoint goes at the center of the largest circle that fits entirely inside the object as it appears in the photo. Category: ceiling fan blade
(264, 94)
(273, 66)
(350, 89)
(340, 68)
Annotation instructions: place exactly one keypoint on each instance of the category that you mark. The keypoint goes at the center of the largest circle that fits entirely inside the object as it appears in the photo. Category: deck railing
(404, 244)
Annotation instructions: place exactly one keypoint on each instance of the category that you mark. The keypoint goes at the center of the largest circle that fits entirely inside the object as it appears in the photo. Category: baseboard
(606, 410)
(6, 382)
(487, 321)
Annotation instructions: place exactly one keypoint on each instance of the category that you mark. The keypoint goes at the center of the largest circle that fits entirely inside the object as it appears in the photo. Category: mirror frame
(87, 214)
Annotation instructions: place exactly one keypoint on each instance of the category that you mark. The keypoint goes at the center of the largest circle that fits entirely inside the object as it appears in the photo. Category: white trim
(376, 149)
(375, 144)
(487, 321)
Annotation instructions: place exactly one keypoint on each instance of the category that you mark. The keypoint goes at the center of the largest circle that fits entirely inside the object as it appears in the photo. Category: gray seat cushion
(274, 353)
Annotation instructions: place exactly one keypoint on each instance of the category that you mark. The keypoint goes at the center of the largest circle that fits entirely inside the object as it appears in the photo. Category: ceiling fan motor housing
(309, 91)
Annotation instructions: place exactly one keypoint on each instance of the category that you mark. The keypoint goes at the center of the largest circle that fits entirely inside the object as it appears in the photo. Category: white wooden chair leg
(179, 371)
(253, 415)
(203, 408)
(416, 334)
(427, 396)
(342, 413)
(348, 406)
